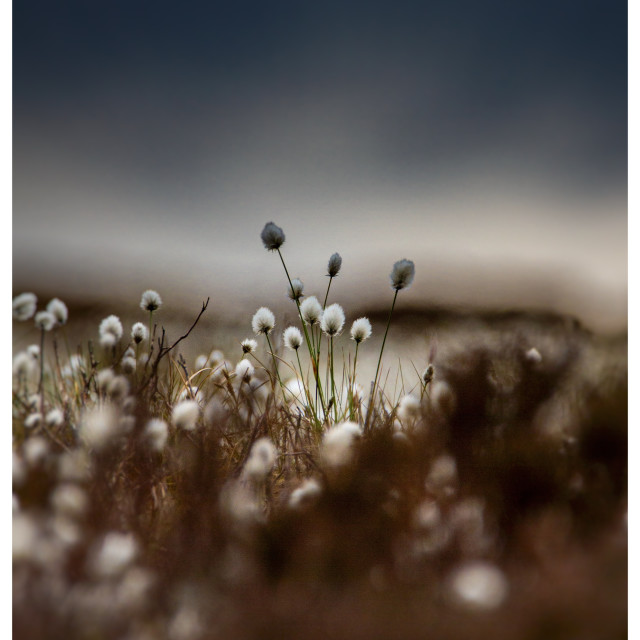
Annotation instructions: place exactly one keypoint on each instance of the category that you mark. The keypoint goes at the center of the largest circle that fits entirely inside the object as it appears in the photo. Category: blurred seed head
(156, 433)
(45, 321)
(272, 236)
(185, 415)
(99, 427)
(295, 291)
(139, 333)
(70, 500)
(24, 306)
(59, 310)
(110, 329)
(261, 460)
(477, 586)
(114, 554)
(305, 494)
(402, 274)
(244, 370)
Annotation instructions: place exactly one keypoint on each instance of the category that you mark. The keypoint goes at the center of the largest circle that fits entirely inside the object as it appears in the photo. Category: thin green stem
(275, 363)
(333, 384)
(41, 383)
(306, 390)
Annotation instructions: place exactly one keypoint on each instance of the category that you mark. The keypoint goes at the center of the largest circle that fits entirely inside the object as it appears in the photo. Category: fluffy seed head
(478, 585)
(128, 364)
(139, 333)
(296, 289)
(292, 338)
(533, 356)
(402, 274)
(55, 417)
(244, 370)
(45, 320)
(332, 320)
(33, 420)
(360, 330)
(249, 345)
(98, 427)
(308, 491)
(111, 326)
(272, 236)
(311, 311)
(114, 555)
(335, 262)
(150, 301)
(69, 499)
(263, 321)
(409, 408)
(59, 310)
(185, 415)
(337, 444)
(24, 364)
(156, 433)
(24, 306)
(261, 460)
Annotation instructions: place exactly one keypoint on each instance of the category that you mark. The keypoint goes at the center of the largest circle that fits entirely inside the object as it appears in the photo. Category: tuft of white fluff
(409, 408)
(442, 397)
(35, 450)
(55, 418)
(128, 365)
(70, 500)
(185, 415)
(261, 460)
(59, 310)
(99, 427)
(311, 311)
(263, 321)
(33, 420)
(116, 552)
(272, 236)
(332, 320)
(333, 268)
(103, 378)
(296, 289)
(24, 306)
(478, 585)
(402, 274)
(111, 326)
(292, 338)
(244, 370)
(360, 330)
(150, 301)
(533, 356)
(24, 364)
(249, 345)
(45, 321)
(139, 333)
(307, 492)
(337, 444)
(156, 433)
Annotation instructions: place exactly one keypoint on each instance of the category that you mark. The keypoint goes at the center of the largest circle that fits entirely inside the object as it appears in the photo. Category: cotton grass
(24, 306)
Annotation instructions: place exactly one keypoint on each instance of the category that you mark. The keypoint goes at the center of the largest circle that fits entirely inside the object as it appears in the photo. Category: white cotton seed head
(201, 362)
(402, 274)
(216, 358)
(45, 321)
(306, 493)
(294, 390)
(150, 301)
(244, 370)
(337, 444)
(99, 427)
(139, 333)
(249, 345)
(533, 356)
(70, 500)
(34, 351)
(443, 472)
(272, 236)
(111, 326)
(35, 450)
(295, 291)
(24, 365)
(332, 320)
(409, 408)
(128, 365)
(118, 388)
(360, 330)
(156, 433)
(115, 554)
(261, 460)
(263, 321)
(185, 415)
(442, 397)
(24, 306)
(103, 378)
(59, 310)
(477, 586)
(333, 268)
(311, 311)
(292, 338)
(33, 420)
(55, 418)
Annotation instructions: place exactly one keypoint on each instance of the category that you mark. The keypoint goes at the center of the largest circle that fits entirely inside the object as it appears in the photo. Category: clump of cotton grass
(150, 301)
(261, 460)
(24, 306)
(333, 268)
(401, 277)
(185, 415)
(296, 289)
(110, 331)
(156, 433)
(139, 333)
(272, 236)
(59, 310)
(249, 345)
(311, 311)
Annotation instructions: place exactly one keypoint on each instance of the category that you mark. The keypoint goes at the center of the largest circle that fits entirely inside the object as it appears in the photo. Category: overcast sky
(153, 140)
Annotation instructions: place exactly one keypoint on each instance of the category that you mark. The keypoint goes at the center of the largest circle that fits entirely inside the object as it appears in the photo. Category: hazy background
(487, 141)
